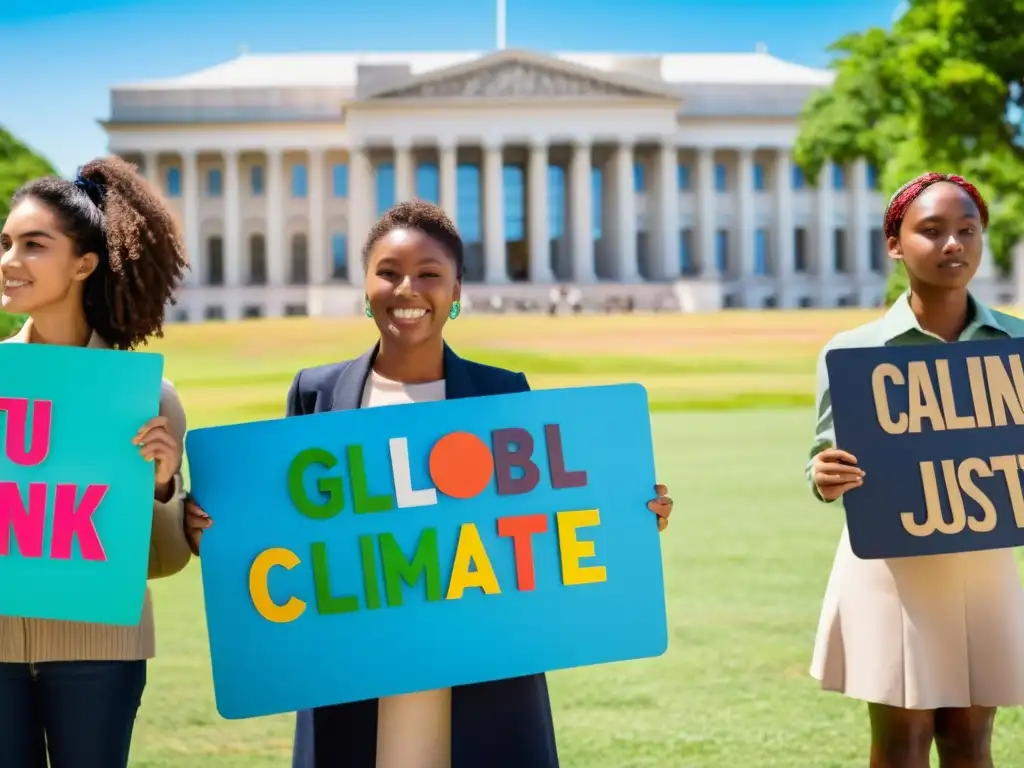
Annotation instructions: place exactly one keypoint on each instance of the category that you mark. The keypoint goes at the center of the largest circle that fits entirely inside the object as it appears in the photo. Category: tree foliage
(18, 164)
(943, 90)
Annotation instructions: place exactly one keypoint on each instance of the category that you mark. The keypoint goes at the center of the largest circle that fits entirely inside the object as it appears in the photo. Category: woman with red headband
(933, 644)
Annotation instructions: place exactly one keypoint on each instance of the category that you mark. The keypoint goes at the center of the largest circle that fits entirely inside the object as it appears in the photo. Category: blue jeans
(81, 712)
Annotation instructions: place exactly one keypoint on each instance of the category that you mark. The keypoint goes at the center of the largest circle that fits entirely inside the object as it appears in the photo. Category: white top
(414, 730)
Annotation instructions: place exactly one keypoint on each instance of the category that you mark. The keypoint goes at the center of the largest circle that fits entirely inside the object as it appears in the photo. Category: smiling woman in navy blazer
(413, 259)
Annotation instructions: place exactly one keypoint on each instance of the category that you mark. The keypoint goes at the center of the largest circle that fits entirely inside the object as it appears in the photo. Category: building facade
(666, 179)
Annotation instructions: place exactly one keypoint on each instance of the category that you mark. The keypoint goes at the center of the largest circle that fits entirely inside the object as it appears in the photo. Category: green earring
(456, 308)
(366, 308)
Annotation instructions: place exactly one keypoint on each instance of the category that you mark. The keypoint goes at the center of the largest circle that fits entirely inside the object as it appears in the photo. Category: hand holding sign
(834, 474)
(157, 442)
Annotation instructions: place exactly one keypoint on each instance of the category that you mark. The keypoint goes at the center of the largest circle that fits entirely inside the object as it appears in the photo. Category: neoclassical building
(664, 178)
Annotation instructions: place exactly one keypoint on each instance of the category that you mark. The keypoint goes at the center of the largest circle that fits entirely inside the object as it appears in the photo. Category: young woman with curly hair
(933, 644)
(93, 263)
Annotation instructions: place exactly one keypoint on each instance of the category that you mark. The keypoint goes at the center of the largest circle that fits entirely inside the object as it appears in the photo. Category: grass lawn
(746, 559)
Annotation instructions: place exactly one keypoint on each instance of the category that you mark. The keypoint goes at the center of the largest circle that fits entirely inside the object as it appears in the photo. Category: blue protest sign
(76, 498)
(938, 431)
(397, 549)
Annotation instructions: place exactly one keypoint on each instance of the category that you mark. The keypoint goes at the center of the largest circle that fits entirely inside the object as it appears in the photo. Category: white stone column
(151, 168)
(860, 231)
(537, 224)
(495, 265)
(405, 187)
(447, 161)
(190, 217)
(361, 199)
(628, 268)
(277, 262)
(785, 248)
(824, 238)
(318, 267)
(233, 257)
(581, 218)
(745, 220)
(706, 221)
(668, 210)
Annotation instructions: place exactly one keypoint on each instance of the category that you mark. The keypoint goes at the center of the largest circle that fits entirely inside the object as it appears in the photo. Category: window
(872, 173)
(513, 180)
(214, 312)
(683, 176)
(722, 250)
(252, 311)
(721, 177)
(428, 183)
(257, 260)
(878, 251)
(798, 178)
(686, 265)
(759, 178)
(556, 201)
(639, 177)
(300, 181)
(300, 260)
(215, 260)
(761, 252)
(597, 201)
(799, 249)
(173, 182)
(339, 255)
(295, 310)
(385, 187)
(214, 182)
(339, 180)
(839, 250)
(838, 176)
(468, 202)
(256, 180)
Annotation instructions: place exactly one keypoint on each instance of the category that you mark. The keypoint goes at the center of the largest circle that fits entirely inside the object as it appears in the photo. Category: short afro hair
(424, 217)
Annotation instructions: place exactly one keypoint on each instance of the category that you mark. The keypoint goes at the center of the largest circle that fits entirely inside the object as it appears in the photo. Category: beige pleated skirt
(923, 632)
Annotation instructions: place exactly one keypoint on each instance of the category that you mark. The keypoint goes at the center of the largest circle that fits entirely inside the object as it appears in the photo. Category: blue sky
(62, 56)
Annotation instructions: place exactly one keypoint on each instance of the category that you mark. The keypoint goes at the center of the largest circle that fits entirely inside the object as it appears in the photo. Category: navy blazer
(501, 724)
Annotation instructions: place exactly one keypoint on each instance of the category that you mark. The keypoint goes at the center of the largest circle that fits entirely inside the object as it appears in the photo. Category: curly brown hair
(424, 217)
(112, 211)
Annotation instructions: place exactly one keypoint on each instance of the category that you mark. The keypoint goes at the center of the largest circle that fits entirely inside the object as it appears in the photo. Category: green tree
(18, 164)
(943, 90)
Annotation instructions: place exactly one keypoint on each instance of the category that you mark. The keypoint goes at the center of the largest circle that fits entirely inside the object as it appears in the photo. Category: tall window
(556, 201)
(686, 265)
(513, 179)
(339, 255)
(300, 181)
(215, 260)
(798, 178)
(597, 200)
(722, 250)
(256, 180)
(721, 177)
(639, 177)
(385, 187)
(759, 177)
(683, 177)
(838, 176)
(800, 250)
(339, 180)
(761, 252)
(428, 183)
(174, 182)
(300, 260)
(468, 203)
(214, 182)
(257, 260)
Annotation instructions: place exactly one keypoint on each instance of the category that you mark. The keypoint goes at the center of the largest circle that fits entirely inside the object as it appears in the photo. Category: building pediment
(519, 76)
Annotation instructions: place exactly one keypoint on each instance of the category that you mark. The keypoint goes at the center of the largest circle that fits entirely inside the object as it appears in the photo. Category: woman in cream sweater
(93, 263)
